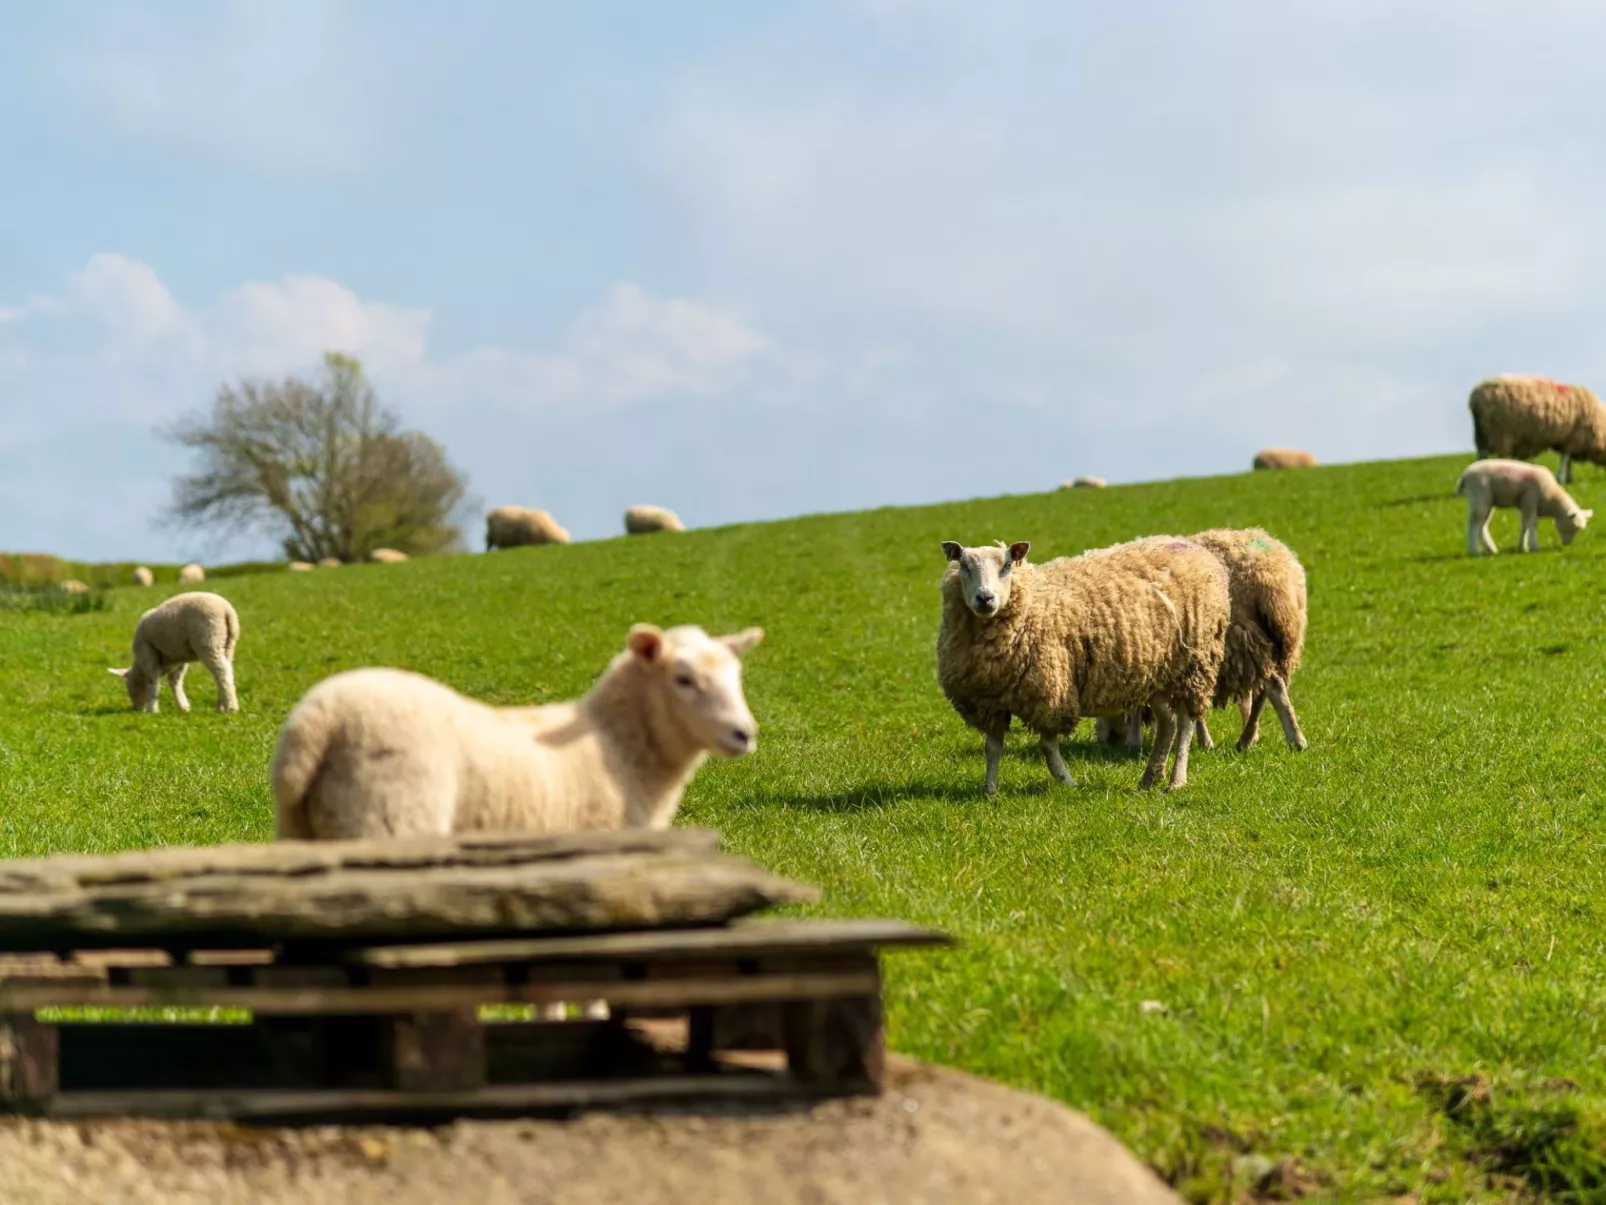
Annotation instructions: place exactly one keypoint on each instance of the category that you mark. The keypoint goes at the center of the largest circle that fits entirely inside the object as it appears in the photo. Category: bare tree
(324, 466)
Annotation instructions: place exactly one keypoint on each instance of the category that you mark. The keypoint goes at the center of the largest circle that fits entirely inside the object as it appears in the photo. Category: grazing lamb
(299, 567)
(187, 627)
(642, 520)
(191, 574)
(144, 577)
(1084, 483)
(384, 752)
(387, 556)
(1265, 637)
(1519, 417)
(329, 562)
(1283, 458)
(1096, 634)
(1530, 488)
(73, 586)
(516, 526)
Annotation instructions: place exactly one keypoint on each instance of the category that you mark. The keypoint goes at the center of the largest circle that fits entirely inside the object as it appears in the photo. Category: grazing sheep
(191, 574)
(1519, 417)
(187, 627)
(73, 586)
(329, 562)
(515, 526)
(1530, 488)
(1265, 637)
(1097, 634)
(387, 556)
(144, 577)
(1084, 483)
(1283, 458)
(299, 567)
(385, 752)
(641, 520)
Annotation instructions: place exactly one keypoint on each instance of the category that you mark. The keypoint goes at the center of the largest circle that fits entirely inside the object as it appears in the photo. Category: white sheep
(385, 752)
(1084, 483)
(516, 526)
(187, 627)
(1519, 417)
(143, 576)
(641, 520)
(191, 574)
(73, 586)
(299, 566)
(329, 562)
(1529, 488)
(1283, 458)
(387, 556)
(1137, 624)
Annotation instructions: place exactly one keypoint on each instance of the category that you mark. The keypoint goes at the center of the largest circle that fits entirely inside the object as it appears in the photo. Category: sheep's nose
(741, 737)
(984, 598)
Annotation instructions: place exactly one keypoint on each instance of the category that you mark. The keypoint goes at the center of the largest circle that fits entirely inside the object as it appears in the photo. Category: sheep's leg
(1472, 529)
(150, 666)
(222, 669)
(175, 680)
(1251, 709)
(1184, 740)
(1278, 690)
(1204, 735)
(995, 751)
(1488, 540)
(1056, 763)
(1134, 728)
(1164, 732)
(1564, 471)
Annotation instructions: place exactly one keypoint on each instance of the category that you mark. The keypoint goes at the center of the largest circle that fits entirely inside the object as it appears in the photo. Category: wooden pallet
(366, 1021)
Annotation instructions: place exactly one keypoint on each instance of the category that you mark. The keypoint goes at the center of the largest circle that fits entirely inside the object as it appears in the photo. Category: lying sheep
(384, 752)
(1265, 636)
(517, 526)
(299, 567)
(73, 586)
(1137, 624)
(144, 577)
(387, 556)
(187, 627)
(1529, 488)
(1519, 417)
(642, 520)
(1283, 458)
(191, 574)
(1084, 483)
(329, 562)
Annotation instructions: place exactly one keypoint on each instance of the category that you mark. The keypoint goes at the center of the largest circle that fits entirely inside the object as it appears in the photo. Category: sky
(750, 260)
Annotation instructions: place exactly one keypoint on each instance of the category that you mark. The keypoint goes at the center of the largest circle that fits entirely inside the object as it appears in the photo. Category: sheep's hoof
(1147, 781)
(1246, 743)
(1301, 744)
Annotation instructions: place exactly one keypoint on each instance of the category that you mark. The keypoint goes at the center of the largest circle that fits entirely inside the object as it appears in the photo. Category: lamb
(299, 567)
(73, 586)
(1530, 488)
(642, 520)
(387, 556)
(515, 526)
(187, 627)
(1519, 417)
(143, 576)
(1084, 483)
(1283, 458)
(190, 575)
(1097, 634)
(1265, 636)
(386, 752)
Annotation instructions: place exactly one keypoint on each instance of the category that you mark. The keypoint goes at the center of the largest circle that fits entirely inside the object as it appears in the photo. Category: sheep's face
(139, 686)
(701, 676)
(1571, 524)
(984, 574)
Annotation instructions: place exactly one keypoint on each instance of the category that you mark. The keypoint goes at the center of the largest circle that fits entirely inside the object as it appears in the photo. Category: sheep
(1283, 458)
(387, 556)
(329, 562)
(73, 586)
(642, 520)
(1265, 637)
(386, 752)
(299, 567)
(1519, 417)
(1530, 488)
(514, 526)
(1096, 634)
(196, 626)
(190, 575)
(1084, 483)
(143, 576)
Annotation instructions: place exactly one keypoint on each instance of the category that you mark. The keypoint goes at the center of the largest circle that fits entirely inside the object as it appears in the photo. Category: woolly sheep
(385, 752)
(1283, 458)
(1519, 417)
(1097, 634)
(1529, 488)
(144, 577)
(1265, 636)
(299, 567)
(1084, 483)
(329, 562)
(73, 586)
(191, 574)
(516, 526)
(642, 520)
(387, 556)
(187, 627)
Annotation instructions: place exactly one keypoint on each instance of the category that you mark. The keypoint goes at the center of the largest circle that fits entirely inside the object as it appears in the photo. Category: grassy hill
(1337, 938)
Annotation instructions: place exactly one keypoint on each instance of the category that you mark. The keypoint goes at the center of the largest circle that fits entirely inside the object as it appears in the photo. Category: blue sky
(755, 259)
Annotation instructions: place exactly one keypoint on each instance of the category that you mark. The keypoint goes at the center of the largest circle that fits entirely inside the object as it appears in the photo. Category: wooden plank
(291, 1000)
(754, 937)
(351, 1104)
(29, 1060)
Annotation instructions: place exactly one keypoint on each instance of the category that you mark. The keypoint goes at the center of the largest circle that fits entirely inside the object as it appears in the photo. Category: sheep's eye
(685, 680)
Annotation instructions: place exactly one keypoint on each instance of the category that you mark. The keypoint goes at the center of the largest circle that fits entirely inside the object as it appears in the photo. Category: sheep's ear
(646, 642)
(1586, 515)
(952, 549)
(121, 673)
(740, 642)
(1018, 551)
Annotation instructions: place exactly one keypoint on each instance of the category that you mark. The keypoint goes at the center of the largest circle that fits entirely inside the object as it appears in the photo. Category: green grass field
(1339, 938)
